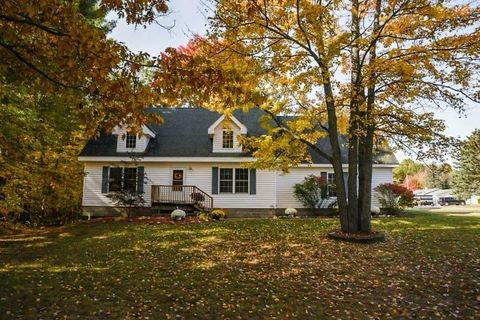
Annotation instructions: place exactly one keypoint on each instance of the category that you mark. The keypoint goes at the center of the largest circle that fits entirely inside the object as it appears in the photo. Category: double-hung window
(241, 180)
(226, 180)
(131, 141)
(115, 179)
(122, 179)
(227, 139)
(130, 179)
(233, 180)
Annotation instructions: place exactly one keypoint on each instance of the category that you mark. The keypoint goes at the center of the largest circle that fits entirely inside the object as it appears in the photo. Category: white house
(194, 156)
(474, 199)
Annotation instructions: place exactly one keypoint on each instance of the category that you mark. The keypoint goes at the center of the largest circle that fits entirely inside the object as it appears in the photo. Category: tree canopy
(418, 175)
(62, 81)
(368, 72)
(407, 167)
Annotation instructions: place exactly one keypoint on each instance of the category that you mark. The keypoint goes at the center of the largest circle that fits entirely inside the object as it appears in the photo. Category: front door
(178, 176)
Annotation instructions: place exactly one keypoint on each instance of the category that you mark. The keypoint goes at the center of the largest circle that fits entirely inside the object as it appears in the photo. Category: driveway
(467, 210)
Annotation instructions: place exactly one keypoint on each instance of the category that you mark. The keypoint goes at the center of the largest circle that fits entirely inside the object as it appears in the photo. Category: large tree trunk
(336, 153)
(353, 132)
(365, 168)
(333, 135)
(352, 211)
(366, 141)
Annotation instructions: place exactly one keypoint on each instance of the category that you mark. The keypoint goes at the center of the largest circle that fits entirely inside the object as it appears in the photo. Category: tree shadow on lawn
(252, 269)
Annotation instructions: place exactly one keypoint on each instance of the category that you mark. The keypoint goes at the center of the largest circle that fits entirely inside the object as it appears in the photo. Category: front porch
(185, 197)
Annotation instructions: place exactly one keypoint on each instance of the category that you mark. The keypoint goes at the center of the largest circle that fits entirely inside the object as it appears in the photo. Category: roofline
(145, 130)
(205, 159)
(149, 132)
(243, 129)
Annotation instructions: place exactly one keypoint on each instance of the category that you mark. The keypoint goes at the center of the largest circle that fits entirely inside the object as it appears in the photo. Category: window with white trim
(331, 185)
(130, 179)
(227, 139)
(131, 141)
(122, 179)
(115, 179)
(241, 180)
(233, 180)
(226, 180)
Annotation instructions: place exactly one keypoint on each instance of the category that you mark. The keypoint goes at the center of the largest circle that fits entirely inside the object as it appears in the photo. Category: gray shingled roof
(184, 134)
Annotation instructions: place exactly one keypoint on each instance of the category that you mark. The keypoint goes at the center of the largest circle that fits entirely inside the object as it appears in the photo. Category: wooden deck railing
(181, 195)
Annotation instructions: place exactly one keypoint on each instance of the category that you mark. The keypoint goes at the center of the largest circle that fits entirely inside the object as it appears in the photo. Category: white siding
(198, 174)
(264, 197)
(142, 140)
(218, 139)
(92, 186)
(285, 183)
(273, 188)
(380, 175)
(141, 145)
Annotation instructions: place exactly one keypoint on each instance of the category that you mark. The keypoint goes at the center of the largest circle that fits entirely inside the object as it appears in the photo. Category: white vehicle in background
(424, 200)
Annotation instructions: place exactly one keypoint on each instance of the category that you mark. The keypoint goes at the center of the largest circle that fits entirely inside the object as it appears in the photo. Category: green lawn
(429, 267)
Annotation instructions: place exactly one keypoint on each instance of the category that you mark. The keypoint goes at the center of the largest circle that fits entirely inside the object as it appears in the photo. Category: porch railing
(182, 195)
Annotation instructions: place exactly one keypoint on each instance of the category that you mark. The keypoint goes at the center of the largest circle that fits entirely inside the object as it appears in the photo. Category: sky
(188, 17)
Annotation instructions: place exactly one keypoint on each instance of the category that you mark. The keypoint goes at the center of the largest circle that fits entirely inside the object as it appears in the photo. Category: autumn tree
(54, 46)
(362, 73)
(62, 80)
(416, 181)
(407, 167)
(466, 180)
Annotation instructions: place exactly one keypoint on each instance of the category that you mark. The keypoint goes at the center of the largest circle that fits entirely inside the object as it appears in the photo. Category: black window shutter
(253, 181)
(140, 179)
(345, 181)
(324, 177)
(105, 179)
(214, 180)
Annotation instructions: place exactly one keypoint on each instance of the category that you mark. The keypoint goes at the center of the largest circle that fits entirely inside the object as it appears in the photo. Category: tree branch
(27, 20)
(32, 66)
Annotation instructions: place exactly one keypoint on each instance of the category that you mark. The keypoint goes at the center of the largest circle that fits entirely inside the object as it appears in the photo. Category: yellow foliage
(308, 60)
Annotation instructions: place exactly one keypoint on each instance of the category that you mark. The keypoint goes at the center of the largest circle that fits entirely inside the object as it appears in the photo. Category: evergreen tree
(439, 176)
(466, 180)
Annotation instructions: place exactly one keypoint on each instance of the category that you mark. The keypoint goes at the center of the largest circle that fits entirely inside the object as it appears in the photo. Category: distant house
(194, 158)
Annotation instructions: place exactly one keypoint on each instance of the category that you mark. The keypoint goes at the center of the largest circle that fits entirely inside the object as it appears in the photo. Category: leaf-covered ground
(429, 267)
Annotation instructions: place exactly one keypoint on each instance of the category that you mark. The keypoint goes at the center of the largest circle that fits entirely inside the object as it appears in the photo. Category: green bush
(313, 192)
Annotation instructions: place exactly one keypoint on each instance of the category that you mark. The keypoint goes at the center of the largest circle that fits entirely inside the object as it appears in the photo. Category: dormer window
(131, 141)
(224, 134)
(227, 142)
